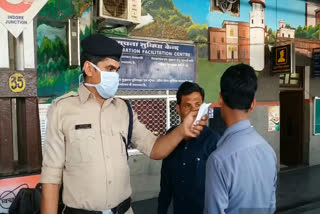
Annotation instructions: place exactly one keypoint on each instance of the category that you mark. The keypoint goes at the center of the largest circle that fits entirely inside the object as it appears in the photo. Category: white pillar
(29, 46)
(4, 47)
(257, 36)
(19, 53)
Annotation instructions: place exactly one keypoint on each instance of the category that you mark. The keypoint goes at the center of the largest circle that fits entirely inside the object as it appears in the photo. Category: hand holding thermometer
(203, 110)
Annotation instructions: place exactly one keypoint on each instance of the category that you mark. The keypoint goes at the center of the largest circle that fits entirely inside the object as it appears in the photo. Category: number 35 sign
(17, 83)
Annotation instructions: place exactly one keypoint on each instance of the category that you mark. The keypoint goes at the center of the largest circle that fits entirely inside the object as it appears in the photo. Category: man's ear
(253, 105)
(220, 101)
(178, 109)
(88, 69)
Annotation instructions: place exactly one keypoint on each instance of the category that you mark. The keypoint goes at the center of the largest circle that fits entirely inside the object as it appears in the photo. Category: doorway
(291, 128)
(292, 118)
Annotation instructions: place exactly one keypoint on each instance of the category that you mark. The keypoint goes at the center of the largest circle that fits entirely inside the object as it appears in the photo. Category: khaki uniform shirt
(84, 147)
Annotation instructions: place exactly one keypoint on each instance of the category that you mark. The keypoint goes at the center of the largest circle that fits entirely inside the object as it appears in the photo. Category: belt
(122, 208)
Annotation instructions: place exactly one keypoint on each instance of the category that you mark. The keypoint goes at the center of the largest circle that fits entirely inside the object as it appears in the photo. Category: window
(222, 40)
(252, 21)
(289, 35)
(231, 32)
(283, 35)
(262, 21)
(218, 55)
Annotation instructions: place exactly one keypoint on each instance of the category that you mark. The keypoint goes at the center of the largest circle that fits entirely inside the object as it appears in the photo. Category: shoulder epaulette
(65, 96)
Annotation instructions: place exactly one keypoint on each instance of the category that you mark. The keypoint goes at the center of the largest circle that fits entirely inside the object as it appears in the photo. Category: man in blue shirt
(183, 171)
(241, 173)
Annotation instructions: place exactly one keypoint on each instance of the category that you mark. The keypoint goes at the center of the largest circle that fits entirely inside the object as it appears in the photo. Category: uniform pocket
(80, 147)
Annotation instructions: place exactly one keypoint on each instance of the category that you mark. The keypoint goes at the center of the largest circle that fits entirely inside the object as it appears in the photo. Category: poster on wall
(155, 65)
(273, 118)
(283, 59)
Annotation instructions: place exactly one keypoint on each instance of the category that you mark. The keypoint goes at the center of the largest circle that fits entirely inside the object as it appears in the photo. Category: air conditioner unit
(120, 11)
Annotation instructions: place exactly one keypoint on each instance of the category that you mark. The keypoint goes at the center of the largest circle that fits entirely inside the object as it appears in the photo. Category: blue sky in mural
(198, 9)
(275, 10)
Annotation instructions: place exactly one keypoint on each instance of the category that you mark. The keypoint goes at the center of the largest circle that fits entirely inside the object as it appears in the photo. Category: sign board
(283, 59)
(156, 65)
(18, 84)
(15, 15)
(316, 118)
(316, 62)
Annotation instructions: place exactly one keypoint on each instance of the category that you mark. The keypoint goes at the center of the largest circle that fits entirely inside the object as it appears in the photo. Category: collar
(241, 125)
(85, 94)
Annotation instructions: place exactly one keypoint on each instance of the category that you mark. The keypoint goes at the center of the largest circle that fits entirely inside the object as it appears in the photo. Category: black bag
(27, 201)
(127, 141)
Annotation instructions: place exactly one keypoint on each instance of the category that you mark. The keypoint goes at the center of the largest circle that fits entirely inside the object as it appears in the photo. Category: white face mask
(108, 85)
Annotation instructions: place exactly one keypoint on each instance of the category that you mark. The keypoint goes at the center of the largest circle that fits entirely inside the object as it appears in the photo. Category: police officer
(84, 143)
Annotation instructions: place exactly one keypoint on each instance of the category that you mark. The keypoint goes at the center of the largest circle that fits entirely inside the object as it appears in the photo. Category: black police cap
(100, 45)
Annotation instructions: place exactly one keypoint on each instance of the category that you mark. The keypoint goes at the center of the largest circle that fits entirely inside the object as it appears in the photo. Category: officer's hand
(190, 129)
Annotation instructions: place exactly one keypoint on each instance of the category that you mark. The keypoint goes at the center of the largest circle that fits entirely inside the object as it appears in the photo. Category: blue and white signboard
(154, 65)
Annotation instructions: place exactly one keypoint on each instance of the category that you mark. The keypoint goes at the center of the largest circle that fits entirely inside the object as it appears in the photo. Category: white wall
(311, 16)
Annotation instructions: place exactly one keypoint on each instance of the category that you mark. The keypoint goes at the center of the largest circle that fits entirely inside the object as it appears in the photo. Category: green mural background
(55, 77)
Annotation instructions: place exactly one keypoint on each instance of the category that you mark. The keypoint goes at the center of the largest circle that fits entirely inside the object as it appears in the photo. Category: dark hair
(88, 57)
(187, 88)
(238, 85)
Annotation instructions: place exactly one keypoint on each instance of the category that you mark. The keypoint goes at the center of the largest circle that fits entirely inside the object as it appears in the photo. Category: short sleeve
(142, 138)
(54, 149)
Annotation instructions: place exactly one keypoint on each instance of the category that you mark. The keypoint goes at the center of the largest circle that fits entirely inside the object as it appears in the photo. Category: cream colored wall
(232, 41)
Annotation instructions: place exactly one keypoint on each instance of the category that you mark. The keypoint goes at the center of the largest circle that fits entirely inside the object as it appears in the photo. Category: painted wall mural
(55, 77)
(163, 19)
(224, 31)
(263, 22)
(225, 6)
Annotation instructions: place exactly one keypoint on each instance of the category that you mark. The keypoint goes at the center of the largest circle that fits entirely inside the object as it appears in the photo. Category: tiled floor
(298, 192)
